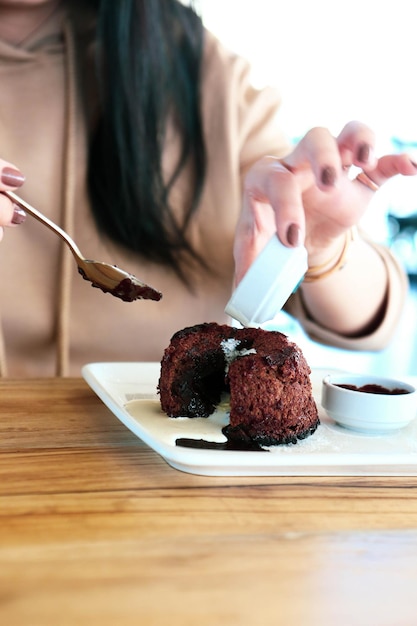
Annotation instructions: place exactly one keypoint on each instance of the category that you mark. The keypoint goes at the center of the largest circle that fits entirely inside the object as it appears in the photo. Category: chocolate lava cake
(271, 400)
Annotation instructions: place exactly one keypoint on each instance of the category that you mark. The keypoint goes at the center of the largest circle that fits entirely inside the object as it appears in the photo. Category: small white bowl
(371, 413)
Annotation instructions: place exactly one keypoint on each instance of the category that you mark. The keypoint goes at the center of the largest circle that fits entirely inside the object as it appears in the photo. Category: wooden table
(96, 529)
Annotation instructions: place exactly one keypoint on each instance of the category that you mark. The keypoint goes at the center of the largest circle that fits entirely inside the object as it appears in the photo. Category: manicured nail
(19, 215)
(12, 177)
(364, 152)
(294, 235)
(328, 176)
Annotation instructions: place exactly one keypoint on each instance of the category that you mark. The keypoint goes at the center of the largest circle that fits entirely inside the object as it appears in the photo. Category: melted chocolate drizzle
(245, 444)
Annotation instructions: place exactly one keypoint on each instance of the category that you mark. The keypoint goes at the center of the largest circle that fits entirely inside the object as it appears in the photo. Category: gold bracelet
(317, 272)
(368, 182)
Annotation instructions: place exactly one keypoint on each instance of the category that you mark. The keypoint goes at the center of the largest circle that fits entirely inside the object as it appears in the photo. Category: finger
(271, 183)
(19, 215)
(6, 211)
(256, 226)
(319, 152)
(391, 165)
(356, 144)
(10, 176)
(271, 206)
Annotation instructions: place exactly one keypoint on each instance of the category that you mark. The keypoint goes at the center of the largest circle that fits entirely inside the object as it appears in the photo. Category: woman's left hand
(308, 197)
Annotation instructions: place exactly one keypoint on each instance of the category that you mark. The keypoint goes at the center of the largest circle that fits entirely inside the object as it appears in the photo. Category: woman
(137, 132)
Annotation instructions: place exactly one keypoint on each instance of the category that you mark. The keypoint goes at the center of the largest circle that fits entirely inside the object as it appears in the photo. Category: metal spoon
(108, 278)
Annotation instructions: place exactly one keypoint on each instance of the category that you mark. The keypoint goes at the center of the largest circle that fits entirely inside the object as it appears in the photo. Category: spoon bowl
(109, 278)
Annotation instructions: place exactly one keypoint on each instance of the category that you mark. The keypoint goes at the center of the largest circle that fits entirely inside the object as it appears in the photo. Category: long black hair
(148, 66)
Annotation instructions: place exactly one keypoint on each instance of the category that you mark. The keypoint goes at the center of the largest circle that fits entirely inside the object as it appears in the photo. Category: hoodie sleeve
(378, 337)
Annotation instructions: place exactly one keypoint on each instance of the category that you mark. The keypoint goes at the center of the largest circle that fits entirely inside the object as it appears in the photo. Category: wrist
(324, 265)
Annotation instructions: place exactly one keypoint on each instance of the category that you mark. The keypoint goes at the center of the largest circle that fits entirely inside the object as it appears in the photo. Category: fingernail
(364, 152)
(19, 215)
(328, 176)
(294, 235)
(12, 177)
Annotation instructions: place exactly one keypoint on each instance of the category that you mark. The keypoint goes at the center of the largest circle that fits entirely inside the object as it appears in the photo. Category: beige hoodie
(52, 320)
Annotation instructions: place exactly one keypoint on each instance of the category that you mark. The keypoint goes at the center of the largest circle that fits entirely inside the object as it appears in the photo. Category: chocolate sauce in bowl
(377, 389)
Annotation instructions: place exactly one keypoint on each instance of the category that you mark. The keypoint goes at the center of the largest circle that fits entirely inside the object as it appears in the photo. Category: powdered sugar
(232, 352)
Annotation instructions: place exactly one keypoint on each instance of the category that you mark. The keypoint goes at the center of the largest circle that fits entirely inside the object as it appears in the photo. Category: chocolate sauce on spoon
(109, 278)
(128, 289)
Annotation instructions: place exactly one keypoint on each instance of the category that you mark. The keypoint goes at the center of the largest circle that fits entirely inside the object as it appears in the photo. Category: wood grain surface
(95, 528)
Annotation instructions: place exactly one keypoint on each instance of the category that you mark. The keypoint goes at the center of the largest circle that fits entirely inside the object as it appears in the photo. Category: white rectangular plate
(129, 390)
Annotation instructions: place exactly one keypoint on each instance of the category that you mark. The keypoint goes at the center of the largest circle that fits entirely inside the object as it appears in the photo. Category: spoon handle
(46, 221)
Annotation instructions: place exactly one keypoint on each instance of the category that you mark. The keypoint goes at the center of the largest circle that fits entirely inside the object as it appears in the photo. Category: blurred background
(334, 62)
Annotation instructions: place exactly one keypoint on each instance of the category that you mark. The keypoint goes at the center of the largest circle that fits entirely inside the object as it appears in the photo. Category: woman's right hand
(10, 178)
